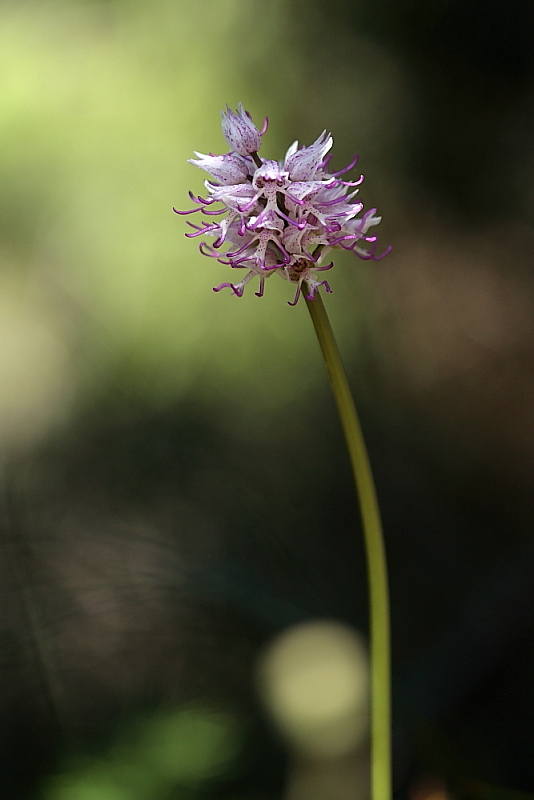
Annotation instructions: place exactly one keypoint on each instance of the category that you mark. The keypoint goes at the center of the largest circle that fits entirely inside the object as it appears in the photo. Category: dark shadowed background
(174, 486)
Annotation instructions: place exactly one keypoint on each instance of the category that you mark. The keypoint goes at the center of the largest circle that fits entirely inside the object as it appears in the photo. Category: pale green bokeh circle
(314, 682)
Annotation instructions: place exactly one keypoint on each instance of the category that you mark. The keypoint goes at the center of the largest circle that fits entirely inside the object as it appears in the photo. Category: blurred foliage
(176, 751)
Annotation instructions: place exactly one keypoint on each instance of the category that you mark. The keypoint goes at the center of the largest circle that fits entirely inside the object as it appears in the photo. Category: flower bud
(240, 132)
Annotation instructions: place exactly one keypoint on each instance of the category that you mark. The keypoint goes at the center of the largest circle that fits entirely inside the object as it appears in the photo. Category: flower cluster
(278, 216)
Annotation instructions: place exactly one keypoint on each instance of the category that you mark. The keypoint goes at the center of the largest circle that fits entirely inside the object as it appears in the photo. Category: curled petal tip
(183, 213)
(223, 286)
(384, 254)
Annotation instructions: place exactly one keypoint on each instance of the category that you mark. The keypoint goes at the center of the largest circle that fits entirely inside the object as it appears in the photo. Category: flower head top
(278, 217)
(240, 132)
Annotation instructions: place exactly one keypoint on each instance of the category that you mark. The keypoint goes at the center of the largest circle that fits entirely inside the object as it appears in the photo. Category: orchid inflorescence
(278, 216)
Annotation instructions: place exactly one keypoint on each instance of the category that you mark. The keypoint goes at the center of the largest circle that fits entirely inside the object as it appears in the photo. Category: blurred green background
(174, 488)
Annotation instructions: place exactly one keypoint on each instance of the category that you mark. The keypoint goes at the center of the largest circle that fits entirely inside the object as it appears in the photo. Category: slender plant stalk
(375, 554)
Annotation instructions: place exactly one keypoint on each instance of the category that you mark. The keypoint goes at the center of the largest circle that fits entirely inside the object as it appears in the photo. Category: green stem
(375, 554)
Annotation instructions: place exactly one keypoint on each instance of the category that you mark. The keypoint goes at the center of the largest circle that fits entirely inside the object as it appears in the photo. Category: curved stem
(375, 554)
